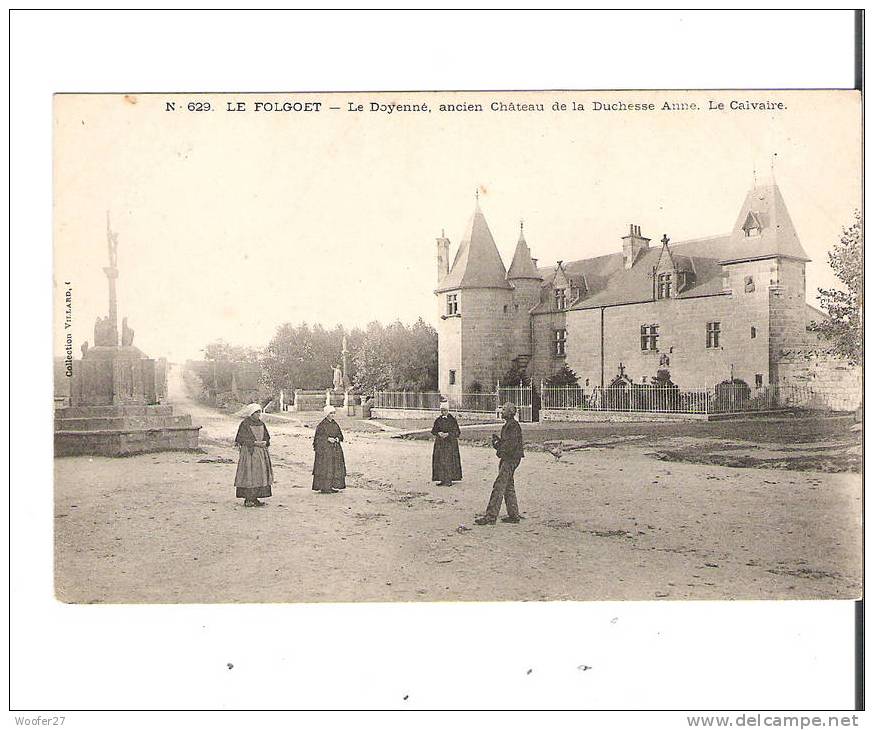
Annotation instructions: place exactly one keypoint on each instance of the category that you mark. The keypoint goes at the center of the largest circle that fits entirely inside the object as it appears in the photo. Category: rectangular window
(752, 333)
(649, 337)
(560, 299)
(451, 304)
(452, 377)
(664, 286)
(749, 284)
(713, 334)
(759, 379)
(560, 342)
(505, 309)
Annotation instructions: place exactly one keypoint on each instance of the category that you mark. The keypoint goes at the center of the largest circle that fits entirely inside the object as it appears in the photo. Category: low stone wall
(572, 415)
(125, 442)
(821, 381)
(396, 414)
(122, 430)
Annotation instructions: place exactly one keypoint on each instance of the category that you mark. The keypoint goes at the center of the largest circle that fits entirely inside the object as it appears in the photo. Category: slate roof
(778, 236)
(609, 282)
(604, 280)
(477, 263)
(522, 266)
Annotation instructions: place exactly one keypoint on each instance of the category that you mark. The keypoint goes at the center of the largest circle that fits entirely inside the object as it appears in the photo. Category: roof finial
(477, 195)
(773, 160)
(442, 233)
(521, 225)
(754, 176)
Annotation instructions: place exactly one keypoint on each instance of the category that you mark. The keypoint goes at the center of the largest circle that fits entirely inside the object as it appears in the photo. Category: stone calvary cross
(106, 328)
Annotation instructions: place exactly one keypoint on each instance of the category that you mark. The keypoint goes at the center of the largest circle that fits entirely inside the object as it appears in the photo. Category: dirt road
(601, 524)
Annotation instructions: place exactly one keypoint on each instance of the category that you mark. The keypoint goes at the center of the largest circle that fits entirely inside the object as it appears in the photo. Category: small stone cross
(665, 240)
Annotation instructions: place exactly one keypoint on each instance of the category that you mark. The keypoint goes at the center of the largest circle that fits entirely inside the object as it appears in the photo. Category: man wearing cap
(446, 459)
(508, 448)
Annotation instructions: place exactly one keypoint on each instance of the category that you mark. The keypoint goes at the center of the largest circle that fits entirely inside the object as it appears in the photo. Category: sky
(231, 223)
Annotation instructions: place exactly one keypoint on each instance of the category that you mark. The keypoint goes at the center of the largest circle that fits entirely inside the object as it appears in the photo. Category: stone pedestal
(122, 430)
(115, 395)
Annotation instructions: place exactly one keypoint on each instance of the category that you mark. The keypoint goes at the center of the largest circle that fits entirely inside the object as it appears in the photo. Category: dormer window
(451, 305)
(664, 286)
(752, 227)
(561, 299)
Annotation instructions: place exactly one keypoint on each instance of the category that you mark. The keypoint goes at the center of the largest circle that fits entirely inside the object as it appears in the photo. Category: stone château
(706, 309)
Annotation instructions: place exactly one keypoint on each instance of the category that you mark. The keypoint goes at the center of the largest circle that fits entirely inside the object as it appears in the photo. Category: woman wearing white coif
(254, 471)
(329, 466)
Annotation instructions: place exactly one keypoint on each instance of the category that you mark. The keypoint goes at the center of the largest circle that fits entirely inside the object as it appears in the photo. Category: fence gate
(521, 397)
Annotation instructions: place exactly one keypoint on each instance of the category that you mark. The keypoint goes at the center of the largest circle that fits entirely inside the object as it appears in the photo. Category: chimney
(632, 245)
(442, 257)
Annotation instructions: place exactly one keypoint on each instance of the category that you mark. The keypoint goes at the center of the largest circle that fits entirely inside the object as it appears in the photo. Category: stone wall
(449, 348)
(397, 414)
(818, 380)
(486, 336)
(577, 415)
(526, 294)
(544, 362)
(682, 341)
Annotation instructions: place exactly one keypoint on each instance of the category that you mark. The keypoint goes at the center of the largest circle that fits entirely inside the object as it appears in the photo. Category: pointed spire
(763, 228)
(477, 263)
(522, 266)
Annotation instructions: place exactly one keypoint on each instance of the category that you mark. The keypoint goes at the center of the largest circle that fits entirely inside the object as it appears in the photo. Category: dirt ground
(608, 517)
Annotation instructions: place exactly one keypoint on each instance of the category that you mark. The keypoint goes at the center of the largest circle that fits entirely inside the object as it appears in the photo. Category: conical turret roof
(477, 264)
(763, 228)
(522, 266)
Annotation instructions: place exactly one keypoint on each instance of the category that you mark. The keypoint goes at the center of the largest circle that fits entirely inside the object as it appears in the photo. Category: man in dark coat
(329, 467)
(508, 447)
(445, 461)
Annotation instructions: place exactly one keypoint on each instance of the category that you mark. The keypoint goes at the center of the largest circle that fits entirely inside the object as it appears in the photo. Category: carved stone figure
(338, 379)
(105, 334)
(84, 348)
(127, 334)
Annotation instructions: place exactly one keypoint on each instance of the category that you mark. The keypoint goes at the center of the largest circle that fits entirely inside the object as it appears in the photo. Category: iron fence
(722, 398)
(483, 402)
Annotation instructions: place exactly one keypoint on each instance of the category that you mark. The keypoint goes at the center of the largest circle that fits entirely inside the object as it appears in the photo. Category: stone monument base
(122, 430)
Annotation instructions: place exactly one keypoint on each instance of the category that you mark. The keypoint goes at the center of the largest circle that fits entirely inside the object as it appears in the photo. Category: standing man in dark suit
(509, 450)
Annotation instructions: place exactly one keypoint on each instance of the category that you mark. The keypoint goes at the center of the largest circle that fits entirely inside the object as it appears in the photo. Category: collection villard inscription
(280, 105)
(68, 336)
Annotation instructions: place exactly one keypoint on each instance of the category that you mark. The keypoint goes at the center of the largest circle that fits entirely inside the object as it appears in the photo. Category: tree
(301, 356)
(221, 351)
(565, 376)
(397, 357)
(515, 375)
(844, 306)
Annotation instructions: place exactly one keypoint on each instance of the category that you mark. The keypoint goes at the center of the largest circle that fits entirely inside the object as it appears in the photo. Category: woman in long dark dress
(329, 467)
(446, 460)
(254, 477)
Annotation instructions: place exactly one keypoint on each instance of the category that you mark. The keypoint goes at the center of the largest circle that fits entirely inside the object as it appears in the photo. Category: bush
(731, 395)
(564, 377)
(516, 375)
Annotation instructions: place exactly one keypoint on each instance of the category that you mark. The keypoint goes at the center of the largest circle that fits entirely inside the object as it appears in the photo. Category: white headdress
(329, 409)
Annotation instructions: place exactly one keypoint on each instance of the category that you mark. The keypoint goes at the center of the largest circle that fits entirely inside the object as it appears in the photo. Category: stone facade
(681, 345)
